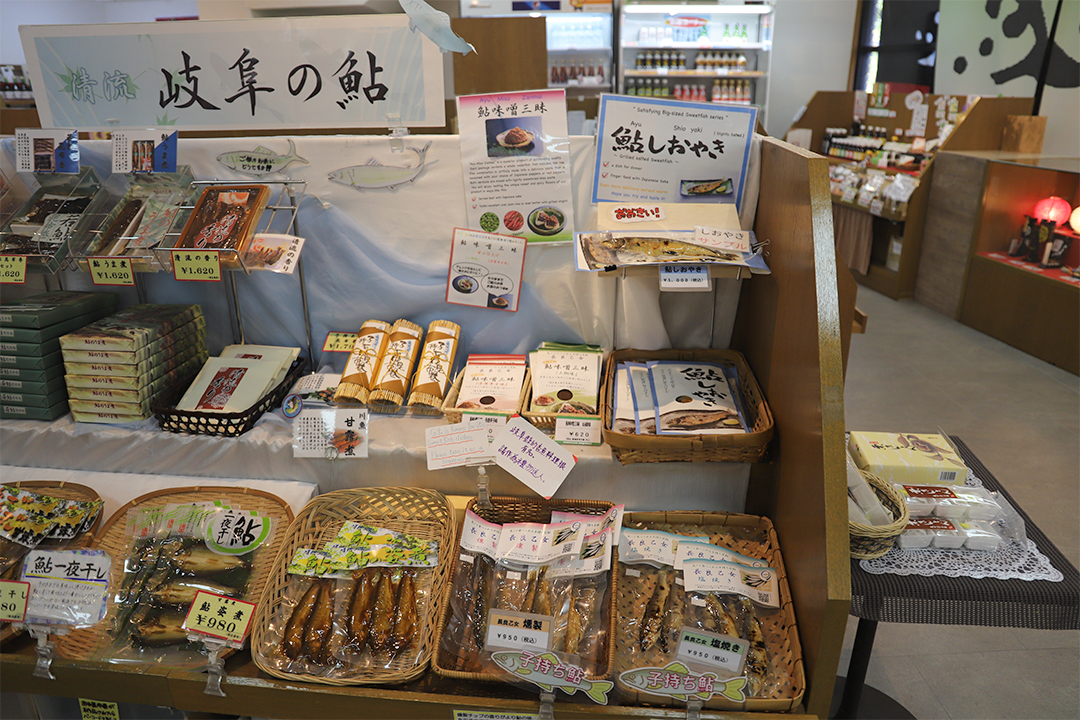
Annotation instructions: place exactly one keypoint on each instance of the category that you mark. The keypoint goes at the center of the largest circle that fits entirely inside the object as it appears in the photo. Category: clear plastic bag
(466, 628)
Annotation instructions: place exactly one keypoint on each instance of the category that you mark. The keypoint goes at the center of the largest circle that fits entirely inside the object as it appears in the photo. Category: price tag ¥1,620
(13, 269)
(197, 265)
(220, 617)
(111, 271)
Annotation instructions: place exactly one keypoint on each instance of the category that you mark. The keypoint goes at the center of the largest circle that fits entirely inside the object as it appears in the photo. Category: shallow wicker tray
(873, 541)
(535, 510)
(740, 533)
(228, 424)
(453, 414)
(545, 421)
(86, 643)
(65, 491)
(736, 447)
(423, 513)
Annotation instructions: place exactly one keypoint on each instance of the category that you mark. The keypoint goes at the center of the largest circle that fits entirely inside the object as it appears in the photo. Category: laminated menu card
(228, 385)
(492, 383)
(693, 398)
(224, 217)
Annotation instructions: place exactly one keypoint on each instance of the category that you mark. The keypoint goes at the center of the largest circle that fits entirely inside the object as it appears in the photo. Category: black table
(943, 600)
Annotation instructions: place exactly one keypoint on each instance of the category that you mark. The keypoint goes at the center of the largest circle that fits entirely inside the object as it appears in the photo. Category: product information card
(46, 150)
(651, 149)
(515, 155)
(485, 270)
(144, 151)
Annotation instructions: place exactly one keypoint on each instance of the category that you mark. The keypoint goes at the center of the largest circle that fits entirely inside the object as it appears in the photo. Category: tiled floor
(915, 369)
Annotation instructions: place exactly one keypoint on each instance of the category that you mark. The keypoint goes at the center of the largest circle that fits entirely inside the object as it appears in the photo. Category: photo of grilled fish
(604, 250)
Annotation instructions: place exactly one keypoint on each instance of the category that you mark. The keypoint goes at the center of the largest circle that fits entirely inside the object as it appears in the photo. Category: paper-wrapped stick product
(432, 376)
(363, 362)
(392, 378)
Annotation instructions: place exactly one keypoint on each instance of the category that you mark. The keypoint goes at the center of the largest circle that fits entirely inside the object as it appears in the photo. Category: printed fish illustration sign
(373, 175)
(676, 681)
(547, 672)
(260, 161)
(436, 25)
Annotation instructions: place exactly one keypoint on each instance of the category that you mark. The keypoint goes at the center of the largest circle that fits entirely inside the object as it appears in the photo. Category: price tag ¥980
(111, 271)
(220, 617)
(197, 265)
(13, 269)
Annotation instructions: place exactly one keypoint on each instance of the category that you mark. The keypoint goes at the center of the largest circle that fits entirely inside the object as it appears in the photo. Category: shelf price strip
(111, 271)
(197, 265)
(219, 616)
(13, 269)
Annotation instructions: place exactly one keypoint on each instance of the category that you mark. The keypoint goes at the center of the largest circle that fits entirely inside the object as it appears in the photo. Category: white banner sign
(268, 73)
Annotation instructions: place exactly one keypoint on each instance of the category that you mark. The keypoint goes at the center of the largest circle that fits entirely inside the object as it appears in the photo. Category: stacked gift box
(31, 365)
(117, 367)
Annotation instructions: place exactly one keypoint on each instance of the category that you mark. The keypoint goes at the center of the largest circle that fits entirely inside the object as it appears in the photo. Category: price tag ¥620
(13, 269)
(197, 265)
(13, 597)
(573, 431)
(111, 271)
(339, 341)
(220, 617)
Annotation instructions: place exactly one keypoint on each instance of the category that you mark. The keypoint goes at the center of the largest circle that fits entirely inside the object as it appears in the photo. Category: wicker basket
(873, 541)
(423, 513)
(228, 424)
(545, 421)
(453, 414)
(65, 491)
(514, 510)
(747, 534)
(737, 447)
(88, 643)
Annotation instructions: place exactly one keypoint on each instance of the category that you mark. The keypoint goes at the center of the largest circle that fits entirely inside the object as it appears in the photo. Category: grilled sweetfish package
(694, 398)
(174, 552)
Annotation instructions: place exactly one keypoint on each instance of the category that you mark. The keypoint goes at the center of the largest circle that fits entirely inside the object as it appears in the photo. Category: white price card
(711, 651)
(573, 431)
(273, 252)
(68, 587)
(333, 434)
(722, 238)
(685, 278)
(464, 443)
(532, 457)
(515, 630)
(46, 150)
(492, 423)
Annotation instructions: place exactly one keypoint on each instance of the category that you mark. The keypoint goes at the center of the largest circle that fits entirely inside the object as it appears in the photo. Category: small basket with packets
(564, 383)
(531, 600)
(386, 357)
(684, 405)
(704, 612)
(491, 385)
(355, 591)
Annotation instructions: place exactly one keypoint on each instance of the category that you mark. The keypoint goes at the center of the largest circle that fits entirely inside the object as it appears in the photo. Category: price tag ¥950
(220, 617)
(712, 651)
(197, 265)
(111, 271)
(518, 630)
(13, 269)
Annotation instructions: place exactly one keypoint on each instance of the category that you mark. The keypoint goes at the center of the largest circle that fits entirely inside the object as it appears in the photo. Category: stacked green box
(117, 367)
(31, 364)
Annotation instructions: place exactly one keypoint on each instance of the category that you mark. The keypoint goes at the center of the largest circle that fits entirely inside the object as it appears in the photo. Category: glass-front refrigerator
(705, 52)
(579, 39)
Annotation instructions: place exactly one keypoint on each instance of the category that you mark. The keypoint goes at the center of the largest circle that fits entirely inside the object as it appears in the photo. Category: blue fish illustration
(373, 174)
(436, 25)
(260, 161)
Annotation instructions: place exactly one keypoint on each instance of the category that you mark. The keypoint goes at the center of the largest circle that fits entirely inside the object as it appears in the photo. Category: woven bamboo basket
(65, 491)
(546, 421)
(423, 513)
(534, 510)
(89, 643)
(873, 541)
(453, 414)
(736, 447)
(747, 534)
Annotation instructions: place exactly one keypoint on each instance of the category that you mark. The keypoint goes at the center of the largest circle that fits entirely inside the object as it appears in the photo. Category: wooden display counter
(793, 326)
(981, 127)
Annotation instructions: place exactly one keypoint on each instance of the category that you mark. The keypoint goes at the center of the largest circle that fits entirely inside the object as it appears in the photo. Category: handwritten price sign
(721, 239)
(339, 342)
(111, 271)
(197, 265)
(13, 598)
(219, 617)
(13, 269)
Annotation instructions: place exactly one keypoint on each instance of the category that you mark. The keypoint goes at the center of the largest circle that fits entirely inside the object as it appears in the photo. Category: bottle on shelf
(665, 91)
(682, 60)
(563, 77)
(639, 61)
(573, 73)
(630, 87)
(715, 91)
(600, 72)
(581, 71)
(741, 62)
(554, 75)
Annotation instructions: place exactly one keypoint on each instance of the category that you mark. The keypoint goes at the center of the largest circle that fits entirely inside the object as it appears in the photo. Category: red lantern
(1053, 208)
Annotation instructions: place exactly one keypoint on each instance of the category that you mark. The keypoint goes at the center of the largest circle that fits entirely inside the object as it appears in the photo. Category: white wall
(966, 31)
(811, 52)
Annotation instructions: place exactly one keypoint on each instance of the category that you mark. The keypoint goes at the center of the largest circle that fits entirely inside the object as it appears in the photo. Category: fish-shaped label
(593, 558)
(704, 550)
(547, 672)
(592, 524)
(260, 161)
(374, 175)
(677, 681)
(711, 576)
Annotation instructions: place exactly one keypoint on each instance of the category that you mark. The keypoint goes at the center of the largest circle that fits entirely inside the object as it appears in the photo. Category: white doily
(1012, 561)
